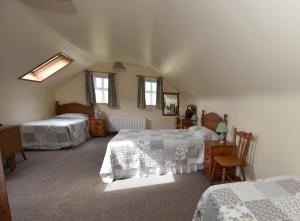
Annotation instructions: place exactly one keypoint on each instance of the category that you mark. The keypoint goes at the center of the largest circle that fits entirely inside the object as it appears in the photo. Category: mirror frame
(163, 107)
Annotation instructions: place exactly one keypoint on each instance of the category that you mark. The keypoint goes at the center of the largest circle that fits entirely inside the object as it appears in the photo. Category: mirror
(171, 104)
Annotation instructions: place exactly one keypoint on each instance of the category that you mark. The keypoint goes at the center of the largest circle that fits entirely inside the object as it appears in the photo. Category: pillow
(73, 116)
(194, 128)
(207, 134)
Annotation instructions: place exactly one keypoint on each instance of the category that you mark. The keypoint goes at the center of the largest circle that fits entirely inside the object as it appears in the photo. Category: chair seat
(228, 161)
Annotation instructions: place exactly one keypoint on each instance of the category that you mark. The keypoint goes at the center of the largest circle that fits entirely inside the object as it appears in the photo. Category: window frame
(102, 76)
(151, 92)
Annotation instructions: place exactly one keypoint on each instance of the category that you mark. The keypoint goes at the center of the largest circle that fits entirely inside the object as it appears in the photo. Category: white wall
(18, 106)
(74, 91)
(274, 120)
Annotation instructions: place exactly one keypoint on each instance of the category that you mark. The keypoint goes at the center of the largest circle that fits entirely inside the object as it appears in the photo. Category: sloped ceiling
(204, 47)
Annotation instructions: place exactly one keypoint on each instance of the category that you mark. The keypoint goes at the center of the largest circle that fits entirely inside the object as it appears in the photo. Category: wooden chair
(241, 142)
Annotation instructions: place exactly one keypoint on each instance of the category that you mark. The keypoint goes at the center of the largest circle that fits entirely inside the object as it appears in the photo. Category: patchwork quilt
(272, 199)
(54, 133)
(138, 153)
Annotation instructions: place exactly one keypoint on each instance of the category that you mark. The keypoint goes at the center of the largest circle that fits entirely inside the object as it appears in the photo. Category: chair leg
(11, 164)
(223, 174)
(23, 154)
(14, 162)
(213, 173)
(243, 173)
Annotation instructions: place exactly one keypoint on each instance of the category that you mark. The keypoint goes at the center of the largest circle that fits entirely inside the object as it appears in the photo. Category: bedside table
(212, 149)
(97, 127)
(184, 123)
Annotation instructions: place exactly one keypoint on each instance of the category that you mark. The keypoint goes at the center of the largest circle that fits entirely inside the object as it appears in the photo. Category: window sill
(150, 107)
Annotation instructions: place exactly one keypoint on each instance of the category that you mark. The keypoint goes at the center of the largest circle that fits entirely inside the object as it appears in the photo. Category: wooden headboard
(74, 108)
(211, 120)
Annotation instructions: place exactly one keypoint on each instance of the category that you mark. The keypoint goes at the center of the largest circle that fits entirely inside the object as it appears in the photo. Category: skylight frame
(43, 65)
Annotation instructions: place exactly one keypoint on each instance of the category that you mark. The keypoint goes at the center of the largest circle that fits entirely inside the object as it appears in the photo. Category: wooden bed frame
(74, 108)
(211, 120)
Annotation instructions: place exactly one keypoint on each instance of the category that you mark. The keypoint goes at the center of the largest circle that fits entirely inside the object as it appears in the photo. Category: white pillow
(194, 128)
(207, 134)
(73, 116)
(198, 127)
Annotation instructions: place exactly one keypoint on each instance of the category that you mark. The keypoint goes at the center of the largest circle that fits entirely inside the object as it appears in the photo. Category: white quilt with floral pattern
(272, 199)
(139, 153)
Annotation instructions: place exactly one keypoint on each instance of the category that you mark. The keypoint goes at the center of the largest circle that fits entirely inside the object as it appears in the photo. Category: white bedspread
(54, 133)
(138, 153)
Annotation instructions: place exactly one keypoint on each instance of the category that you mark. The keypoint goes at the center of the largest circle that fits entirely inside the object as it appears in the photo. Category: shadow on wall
(63, 7)
(250, 158)
(148, 124)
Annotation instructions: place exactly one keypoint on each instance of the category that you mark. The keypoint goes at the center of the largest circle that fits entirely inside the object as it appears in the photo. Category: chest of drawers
(97, 127)
(184, 123)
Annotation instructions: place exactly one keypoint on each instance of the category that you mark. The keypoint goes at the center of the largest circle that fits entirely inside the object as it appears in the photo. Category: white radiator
(117, 123)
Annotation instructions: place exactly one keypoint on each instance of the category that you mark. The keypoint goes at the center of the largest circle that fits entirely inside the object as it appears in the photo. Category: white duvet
(138, 153)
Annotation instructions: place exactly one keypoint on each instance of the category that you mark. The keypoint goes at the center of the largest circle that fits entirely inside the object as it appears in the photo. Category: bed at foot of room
(276, 198)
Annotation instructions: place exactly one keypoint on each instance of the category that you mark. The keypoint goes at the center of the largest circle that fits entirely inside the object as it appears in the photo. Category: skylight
(48, 68)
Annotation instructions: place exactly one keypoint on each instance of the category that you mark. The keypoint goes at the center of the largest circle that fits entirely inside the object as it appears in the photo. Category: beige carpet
(65, 185)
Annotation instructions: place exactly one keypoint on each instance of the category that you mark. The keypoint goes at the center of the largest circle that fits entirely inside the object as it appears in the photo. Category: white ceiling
(204, 47)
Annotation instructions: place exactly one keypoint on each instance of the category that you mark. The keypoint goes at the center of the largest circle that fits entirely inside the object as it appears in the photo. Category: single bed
(67, 129)
(139, 153)
(276, 198)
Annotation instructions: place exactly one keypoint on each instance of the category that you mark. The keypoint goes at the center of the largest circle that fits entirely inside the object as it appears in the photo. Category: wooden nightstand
(184, 123)
(212, 149)
(97, 127)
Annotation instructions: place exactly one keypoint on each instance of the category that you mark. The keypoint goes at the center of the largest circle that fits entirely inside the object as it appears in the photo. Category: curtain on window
(112, 94)
(141, 100)
(90, 91)
(159, 93)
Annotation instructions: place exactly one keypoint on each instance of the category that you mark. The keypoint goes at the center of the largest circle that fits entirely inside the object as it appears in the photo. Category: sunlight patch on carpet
(139, 182)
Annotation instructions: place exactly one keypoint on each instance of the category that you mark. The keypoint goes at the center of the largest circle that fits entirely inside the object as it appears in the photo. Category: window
(48, 68)
(150, 92)
(101, 89)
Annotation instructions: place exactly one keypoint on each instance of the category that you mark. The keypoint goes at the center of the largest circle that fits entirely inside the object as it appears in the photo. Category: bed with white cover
(66, 130)
(69, 128)
(139, 153)
(276, 198)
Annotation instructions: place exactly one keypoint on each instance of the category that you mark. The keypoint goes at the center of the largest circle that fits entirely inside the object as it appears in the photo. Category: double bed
(139, 153)
(68, 128)
(276, 198)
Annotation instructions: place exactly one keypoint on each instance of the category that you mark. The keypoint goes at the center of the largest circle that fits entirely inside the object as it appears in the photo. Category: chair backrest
(241, 141)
